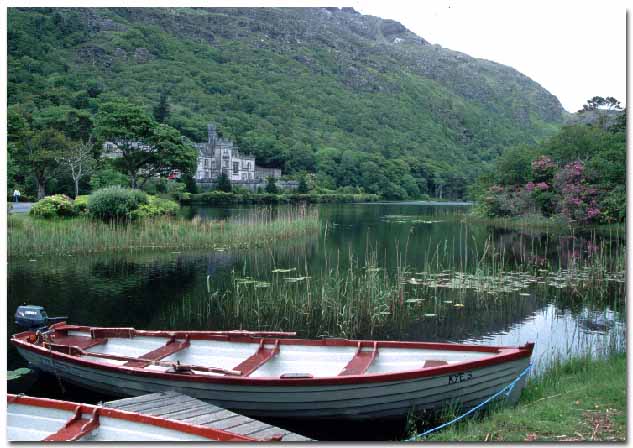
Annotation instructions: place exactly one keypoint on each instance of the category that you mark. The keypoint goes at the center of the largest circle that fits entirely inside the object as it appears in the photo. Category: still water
(525, 285)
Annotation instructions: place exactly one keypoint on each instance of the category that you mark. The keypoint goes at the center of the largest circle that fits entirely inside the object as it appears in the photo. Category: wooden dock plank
(155, 406)
(181, 407)
(247, 428)
(178, 413)
(210, 419)
(231, 422)
(141, 399)
(176, 407)
(269, 432)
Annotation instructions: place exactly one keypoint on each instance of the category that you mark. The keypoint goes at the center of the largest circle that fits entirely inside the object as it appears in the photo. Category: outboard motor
(33, 316)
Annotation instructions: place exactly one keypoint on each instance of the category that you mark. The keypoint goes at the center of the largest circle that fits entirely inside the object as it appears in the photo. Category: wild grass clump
(28, 237)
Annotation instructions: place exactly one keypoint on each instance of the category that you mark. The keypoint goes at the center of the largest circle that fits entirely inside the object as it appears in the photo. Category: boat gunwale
(134, 417)
(502, 354)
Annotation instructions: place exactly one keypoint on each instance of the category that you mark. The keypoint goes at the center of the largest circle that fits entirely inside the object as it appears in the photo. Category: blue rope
(506, 390)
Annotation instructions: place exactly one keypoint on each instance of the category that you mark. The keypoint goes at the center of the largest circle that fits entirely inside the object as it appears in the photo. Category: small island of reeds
(29, 236)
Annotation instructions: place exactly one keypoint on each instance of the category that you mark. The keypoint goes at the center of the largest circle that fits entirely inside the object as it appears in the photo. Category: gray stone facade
(219, 155)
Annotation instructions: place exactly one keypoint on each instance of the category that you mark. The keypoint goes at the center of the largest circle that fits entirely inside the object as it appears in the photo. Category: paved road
(21, 207)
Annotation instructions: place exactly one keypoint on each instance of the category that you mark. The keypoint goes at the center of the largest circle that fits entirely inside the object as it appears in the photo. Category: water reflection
(187, 289)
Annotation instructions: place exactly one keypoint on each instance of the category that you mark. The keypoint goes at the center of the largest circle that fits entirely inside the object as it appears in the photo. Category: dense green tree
(147, 148)
(271, 185)
(40, 152)
(287, 104)
(303, 185)
(161, 110)
(224, 183)
(514, 166)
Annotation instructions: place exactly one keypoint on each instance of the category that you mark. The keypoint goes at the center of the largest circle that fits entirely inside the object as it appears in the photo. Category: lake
(422, 272)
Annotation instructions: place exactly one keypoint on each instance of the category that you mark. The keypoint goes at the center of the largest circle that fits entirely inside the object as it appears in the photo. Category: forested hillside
(358, 100)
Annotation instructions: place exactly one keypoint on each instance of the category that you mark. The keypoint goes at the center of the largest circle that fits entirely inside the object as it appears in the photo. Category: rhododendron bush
(566, 191)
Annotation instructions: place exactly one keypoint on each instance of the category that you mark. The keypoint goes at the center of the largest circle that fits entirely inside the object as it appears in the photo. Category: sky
(575, 50)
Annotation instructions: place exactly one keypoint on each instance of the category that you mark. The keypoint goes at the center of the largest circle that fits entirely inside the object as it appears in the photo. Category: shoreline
(576, 400)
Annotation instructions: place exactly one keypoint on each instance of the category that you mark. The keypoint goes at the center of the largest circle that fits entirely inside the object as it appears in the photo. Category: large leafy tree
(146, 148)
(39, 152)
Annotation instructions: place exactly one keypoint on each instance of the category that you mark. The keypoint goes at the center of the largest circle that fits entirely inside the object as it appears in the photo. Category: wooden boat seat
(434, 363)
(75, 428)
(170, 348)
(259, 358)
(82, 342)
(361, 361)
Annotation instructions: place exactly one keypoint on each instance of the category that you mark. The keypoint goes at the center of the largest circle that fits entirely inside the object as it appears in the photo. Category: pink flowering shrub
(565, 191)
(578, 201)
(542, 186)
(543, 169)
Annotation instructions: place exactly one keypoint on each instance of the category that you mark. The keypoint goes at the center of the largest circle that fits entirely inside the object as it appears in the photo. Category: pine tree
(224, 184)
(271, 186)
(303, 186)
(161, 110)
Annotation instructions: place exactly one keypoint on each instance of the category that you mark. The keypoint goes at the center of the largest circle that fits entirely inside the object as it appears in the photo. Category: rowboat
(31, 419)
(275, 375)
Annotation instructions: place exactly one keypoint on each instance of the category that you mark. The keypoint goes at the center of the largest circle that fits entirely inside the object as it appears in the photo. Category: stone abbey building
(219, 155)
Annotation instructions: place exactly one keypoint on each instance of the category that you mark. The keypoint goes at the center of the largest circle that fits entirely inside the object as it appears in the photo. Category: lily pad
(17, 373)
(284, 270)
(295, 279)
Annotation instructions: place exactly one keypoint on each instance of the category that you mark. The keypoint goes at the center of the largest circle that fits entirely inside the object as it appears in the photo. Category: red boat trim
(258, 359)
(499, 355)
(162, 352)
(96, 411)
(361, 361)
(248, 336)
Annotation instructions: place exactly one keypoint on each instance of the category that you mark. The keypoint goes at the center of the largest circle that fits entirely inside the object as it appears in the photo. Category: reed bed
(365, 297)
(31, 237)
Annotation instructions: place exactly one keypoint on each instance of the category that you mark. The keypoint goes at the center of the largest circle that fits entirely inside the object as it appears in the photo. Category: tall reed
(29, 237)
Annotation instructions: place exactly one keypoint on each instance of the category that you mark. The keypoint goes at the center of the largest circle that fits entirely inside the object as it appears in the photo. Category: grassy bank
(576, 400)
(28, 236)
(222, 198)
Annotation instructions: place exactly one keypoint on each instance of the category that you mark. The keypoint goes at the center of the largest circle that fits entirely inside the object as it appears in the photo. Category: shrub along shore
(573, 401)
(223, 198)
(28, 236)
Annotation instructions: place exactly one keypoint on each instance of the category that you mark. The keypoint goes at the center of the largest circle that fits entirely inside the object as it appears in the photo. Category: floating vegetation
(295, 279)
(409, 219)
(280, 270)
(361, 298)
(17, 373)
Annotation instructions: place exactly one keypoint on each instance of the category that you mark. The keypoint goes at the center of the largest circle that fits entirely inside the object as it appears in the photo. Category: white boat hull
(363, 400)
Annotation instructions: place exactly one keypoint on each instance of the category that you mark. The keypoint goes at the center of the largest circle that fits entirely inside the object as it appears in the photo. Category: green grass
(575, 400)
(28, 236)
